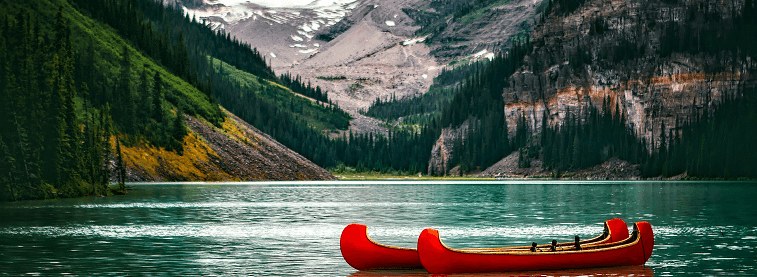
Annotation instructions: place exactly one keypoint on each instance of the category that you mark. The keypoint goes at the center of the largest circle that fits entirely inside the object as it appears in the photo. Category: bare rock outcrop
(612, 169)
(508, 167)
(440, 163)
(236, 151)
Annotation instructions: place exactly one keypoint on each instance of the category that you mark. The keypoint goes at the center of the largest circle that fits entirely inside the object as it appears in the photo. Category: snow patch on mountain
(292, 4)
(483, 54)
(306, 16)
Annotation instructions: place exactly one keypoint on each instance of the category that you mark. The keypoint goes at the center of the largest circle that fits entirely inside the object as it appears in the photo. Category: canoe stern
(362, 253)
(618, 229)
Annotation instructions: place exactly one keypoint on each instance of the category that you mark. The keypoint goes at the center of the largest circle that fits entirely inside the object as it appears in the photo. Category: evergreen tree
(120, 168)
(144, 111)
(157, 98)
(179, 131)
(124, 112)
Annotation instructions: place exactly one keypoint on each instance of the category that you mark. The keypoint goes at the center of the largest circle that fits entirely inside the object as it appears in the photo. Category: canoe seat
(578, 243)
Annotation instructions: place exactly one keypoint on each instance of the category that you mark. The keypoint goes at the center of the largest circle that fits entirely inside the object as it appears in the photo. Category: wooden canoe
(363, 253)
(438, 258)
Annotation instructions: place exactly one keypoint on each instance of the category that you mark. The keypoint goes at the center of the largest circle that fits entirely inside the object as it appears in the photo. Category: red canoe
(437, 258)
(362, 253)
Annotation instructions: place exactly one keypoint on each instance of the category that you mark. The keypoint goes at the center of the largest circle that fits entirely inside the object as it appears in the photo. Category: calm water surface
(293, 229)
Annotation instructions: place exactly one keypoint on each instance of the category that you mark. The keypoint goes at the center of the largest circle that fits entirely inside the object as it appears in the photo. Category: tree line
(712, 142)
(425, 108)
(296, 84)
(585, 138)
(479, 101)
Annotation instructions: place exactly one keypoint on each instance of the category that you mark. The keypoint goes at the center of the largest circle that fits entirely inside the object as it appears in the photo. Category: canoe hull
(439, 259)
(362, 253)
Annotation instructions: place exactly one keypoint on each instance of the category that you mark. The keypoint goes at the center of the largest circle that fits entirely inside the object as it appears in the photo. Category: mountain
(546, 88)
(222, 90)
(629, 80)
(365, 50)
(86, 100)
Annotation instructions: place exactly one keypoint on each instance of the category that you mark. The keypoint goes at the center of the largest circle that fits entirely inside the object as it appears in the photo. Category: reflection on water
(293, 229)
(614, 271)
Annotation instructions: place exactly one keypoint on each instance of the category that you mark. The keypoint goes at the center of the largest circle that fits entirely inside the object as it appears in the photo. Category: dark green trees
(711, 144)
(156, 107)
(588, 138)
(50, 145)
(296, 84)
(479, 101)
(58, 111)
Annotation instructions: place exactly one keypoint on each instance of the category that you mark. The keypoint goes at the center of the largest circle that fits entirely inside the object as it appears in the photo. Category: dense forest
(479, 101)
(584, 139)
(46, 148)
(713, 143)
(70, 110)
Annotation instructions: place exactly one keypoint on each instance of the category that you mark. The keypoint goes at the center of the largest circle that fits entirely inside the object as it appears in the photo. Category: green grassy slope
(318, 116)
(107, 46)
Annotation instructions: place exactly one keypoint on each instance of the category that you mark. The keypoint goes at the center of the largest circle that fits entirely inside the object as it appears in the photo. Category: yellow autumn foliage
(233, 130)
(194, 164)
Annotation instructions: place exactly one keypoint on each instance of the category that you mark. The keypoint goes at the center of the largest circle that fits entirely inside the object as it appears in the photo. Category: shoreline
(436, 182)
(368, 176)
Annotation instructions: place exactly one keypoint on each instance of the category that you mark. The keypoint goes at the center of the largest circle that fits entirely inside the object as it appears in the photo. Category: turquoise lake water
(292, 229)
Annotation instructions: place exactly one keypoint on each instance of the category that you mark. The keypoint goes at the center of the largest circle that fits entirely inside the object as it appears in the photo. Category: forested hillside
(648, 83)
(237, 77)
(63, 102)
(76, 96)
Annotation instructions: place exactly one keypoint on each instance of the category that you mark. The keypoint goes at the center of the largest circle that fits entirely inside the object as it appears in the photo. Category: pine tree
(120, 168)
(157, 99)
(144, 109)
(7, 191)
(125, 98)
(179, 130)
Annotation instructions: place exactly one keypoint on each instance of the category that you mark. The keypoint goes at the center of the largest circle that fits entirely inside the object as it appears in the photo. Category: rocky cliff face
(471, 30)
(234, 152)
(651, 90)
(612, 49)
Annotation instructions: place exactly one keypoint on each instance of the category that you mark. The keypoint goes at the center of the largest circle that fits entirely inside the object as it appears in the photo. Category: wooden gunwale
(632, 240)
